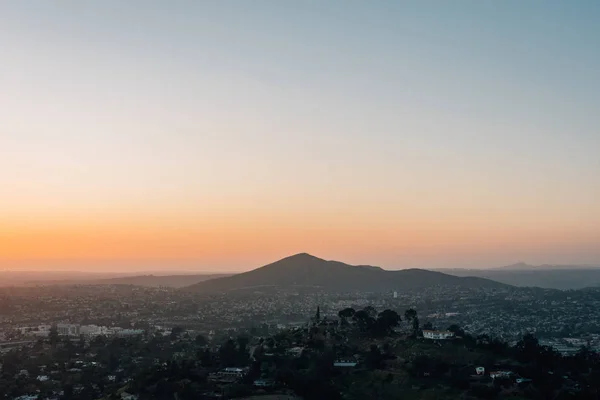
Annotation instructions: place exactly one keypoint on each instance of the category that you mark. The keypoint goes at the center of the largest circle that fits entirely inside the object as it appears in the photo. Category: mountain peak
(518, 266)
(305, 270)
(298, 260)
(302, 256)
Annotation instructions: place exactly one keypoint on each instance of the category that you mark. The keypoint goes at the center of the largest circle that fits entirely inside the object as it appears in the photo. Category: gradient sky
(222, 135)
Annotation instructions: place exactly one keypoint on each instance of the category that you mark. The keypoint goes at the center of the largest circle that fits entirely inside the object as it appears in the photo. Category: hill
(309, 271)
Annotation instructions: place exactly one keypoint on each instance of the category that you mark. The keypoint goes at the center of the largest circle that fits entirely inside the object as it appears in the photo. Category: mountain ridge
(147, 280)
(304, 269)
(521, 266)
(543, 276)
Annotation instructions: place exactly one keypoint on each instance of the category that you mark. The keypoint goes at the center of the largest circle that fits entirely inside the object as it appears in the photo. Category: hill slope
(309, 271)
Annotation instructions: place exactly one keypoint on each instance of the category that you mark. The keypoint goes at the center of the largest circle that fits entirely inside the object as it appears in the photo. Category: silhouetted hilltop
(517, 267)
(309, 271)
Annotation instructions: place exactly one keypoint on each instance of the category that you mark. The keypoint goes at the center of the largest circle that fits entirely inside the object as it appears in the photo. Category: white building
(438, 335)
(232, 372)
(295, 351)
(129, 332)
(345, 363)
(93, 330)
(264, 383)
(500, 374)
(40, 331)
(67, 329)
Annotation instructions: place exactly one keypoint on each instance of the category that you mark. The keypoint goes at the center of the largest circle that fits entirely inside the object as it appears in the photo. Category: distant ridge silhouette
(148, 280)
(528, 267)
(309, 271)
(544, 276)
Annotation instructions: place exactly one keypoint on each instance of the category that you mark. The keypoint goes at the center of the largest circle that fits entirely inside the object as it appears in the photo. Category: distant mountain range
(545, 276)
(175, 281)
(544, 267)
(304, 270)
(67, 278)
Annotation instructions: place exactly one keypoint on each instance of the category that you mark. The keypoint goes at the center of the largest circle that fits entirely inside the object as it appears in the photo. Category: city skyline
(224, 136)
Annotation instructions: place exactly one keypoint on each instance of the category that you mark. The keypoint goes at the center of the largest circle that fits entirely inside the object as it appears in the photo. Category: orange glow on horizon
(244, 242)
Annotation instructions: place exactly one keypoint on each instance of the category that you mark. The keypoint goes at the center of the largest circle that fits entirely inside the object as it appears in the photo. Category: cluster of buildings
(505, 312)
(437, 335)
(77, 330)
(569, 346)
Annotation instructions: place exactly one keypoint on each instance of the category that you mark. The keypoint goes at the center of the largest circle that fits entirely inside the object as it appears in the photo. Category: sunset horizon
(219, 139)
(299, 200)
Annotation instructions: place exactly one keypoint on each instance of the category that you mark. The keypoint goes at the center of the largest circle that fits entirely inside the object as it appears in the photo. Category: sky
(223, 135)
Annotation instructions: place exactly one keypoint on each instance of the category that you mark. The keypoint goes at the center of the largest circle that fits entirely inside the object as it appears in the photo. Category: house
(294, 351)
(232, 372)
(345, 363)
(438, 335)
(264, 383)
(500, 374)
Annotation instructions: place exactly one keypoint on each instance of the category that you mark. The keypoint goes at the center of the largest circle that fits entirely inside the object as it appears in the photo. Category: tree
(176, 331)
(364, 321)
(206, 358)
(528, 348)
(411, 316)
(11, 363)
(374, 358)
(386, 321)
(201, 340)
(228, 353)
(53, 337)
(237, 390)
(457, 330)
(347, 313)
(371, 311)
(68, 392)
(243, 354)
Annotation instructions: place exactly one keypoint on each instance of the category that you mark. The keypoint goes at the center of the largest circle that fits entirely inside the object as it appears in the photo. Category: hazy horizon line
(166, 272)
